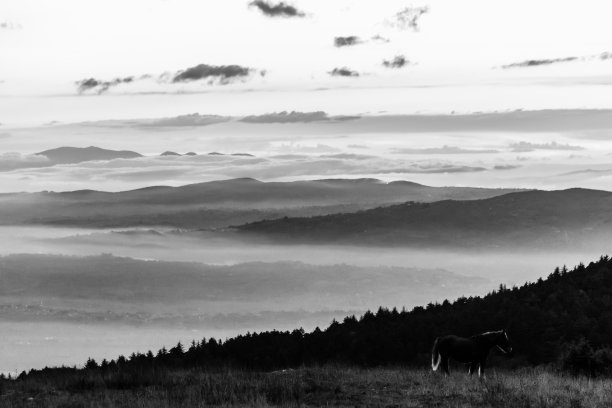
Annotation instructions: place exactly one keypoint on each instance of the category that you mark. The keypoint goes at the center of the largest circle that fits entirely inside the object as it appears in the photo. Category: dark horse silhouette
(472, 350)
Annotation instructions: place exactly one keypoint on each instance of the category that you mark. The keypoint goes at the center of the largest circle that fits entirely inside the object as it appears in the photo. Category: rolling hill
(218, 203)
(562, 321)
(541, 218)
(69, 155)
(100, 284)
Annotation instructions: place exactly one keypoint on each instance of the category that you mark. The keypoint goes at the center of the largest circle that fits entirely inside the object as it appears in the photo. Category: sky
(48, 46)
(69, 61)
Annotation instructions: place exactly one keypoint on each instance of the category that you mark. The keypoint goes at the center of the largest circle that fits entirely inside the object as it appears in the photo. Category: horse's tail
(435, 355)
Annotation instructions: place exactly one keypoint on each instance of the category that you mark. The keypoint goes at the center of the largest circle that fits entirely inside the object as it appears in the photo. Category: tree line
(563, 321)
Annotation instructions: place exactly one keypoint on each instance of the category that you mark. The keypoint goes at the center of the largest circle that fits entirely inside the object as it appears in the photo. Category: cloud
(9, 25)
(299, 148)
(380, 38)
(398, 61)
(538, 62)
(220, 74)
(535, 63)
(407, 18)
(437, 168)
(346, 41)
(99, 86)
(276, 10)
(287, 117)
(223, 74)
(505, 167)
(348, 156)
(523, 147)
(343, 71)
(605, 56)
(441, 150)
(193, 119)
(5, 135)
(13, 161)
(587, 171)
(285, 160)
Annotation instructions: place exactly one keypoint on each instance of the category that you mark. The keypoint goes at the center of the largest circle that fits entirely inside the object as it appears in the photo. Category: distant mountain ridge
(557, 218)
(236, 201)
(562, 321)
(116, 283)
(69, 155)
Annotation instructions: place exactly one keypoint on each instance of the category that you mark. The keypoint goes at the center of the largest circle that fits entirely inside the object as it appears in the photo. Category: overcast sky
(66, 61)
(455, 49)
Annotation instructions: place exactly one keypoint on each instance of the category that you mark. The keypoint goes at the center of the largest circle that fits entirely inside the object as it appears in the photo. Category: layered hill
(219, 203)
(69, 155)
(107, 288)
(543, 218)
(562, 321)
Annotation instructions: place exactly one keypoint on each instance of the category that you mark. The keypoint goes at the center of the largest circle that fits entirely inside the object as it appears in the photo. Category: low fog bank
(160, 286)
(58, 309)
(107, 288)
(27, 345)
(499, 265)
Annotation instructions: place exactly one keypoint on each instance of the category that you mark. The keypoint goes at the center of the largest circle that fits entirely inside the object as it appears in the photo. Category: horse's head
(503, 342)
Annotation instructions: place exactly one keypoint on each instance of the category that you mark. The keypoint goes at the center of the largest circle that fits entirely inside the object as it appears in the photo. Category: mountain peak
(69, 154)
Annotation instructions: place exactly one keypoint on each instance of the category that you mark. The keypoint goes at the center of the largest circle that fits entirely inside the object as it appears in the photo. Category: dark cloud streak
(408, 18)
(276, 10)
(536, 63)
(346, 41)
(442, 150)
(399, 61)
(100, 86)
(524, 147)
(223, 73)
(344, 72)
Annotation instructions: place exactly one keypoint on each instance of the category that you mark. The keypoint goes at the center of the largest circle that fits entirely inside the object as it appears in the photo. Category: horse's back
(459, 348)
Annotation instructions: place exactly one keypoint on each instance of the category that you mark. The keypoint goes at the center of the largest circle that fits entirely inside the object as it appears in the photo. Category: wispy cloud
(380, 38)
(538, 62)
(214, 74)
(344, 72)
(505, 167)
(222, 74)
(407, 18)
(398, 61)
(281, 9)
(346, 41)
(287, 117)
(298, 160)
(442, 150)
(100, 86)
(13, 161)
(193, 119)
(437, 168)
(523, 147)
(9, 25)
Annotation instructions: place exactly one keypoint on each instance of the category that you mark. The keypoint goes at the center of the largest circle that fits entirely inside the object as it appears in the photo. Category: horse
(472, 350)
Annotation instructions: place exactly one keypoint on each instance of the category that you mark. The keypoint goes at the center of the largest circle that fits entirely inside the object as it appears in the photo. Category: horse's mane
(487, 335)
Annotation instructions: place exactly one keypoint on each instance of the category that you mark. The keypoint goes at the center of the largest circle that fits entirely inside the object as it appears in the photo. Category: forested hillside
(564, 320)
(543, 219)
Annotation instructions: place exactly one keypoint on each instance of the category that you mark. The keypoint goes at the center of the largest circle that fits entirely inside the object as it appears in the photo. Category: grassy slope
(317, 387)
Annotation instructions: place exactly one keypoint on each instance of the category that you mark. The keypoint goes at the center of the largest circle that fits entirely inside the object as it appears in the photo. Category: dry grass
(327, 386)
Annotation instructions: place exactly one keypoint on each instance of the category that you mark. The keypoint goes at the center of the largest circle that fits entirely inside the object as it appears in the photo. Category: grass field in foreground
(326, 386)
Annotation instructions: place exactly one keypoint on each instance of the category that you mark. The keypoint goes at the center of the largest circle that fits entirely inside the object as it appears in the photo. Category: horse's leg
(473, 367)
(481, 369)
(445, 364)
